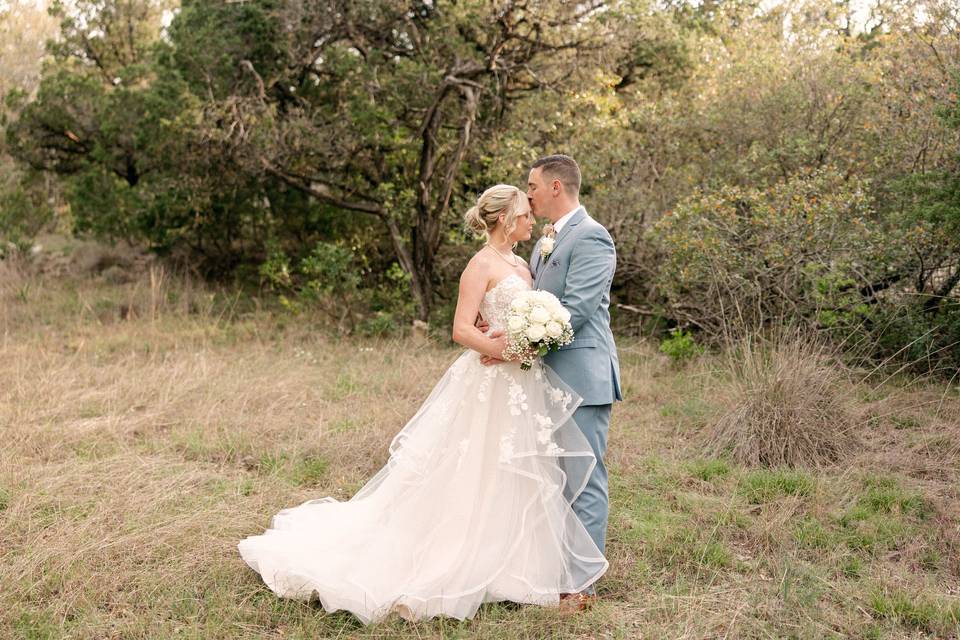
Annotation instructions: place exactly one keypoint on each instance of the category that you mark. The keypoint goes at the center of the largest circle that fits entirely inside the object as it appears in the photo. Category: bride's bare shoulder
(480, 262)
(479, 271)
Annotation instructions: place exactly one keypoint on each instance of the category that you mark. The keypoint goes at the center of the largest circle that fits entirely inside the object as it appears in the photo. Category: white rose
(515, 323)
(519, 304)
(539, 315)
(563, 315)
(536, 332)
(546, 245)
(554, 329)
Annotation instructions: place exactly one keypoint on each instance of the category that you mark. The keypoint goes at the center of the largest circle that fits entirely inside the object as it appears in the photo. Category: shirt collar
(562, 221)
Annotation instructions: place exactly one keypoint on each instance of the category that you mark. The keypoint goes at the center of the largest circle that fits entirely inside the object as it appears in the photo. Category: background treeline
(757, 163)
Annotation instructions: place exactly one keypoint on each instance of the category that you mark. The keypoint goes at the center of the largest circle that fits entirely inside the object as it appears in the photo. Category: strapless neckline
(502, 280)
(496, 302)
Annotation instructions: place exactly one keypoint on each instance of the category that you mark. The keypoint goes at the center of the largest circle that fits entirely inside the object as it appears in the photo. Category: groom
(577, 265)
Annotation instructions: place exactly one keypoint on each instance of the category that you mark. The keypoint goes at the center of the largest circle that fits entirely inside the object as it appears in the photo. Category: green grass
(299, 470)
(765, 485)
(884, 495)
(813, 534)
(308, 470)
(31, 625)
(708, 470)
(689, 411)
(884, 516)
(917, 611)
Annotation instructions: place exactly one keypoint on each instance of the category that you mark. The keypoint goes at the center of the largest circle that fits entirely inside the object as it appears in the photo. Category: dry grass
(139, 448)
(788, 407)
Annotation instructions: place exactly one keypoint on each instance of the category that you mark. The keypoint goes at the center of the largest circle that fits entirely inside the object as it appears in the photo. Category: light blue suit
(579, 272)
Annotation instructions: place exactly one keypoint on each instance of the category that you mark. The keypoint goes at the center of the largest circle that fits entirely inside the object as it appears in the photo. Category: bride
(473, 504)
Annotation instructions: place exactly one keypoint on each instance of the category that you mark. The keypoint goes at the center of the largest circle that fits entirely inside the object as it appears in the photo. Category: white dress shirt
(562, 221)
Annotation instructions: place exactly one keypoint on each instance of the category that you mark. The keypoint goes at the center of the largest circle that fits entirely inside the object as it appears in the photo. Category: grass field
(148, 427)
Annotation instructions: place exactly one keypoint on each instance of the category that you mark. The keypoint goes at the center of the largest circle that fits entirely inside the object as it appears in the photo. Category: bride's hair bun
(481, 218)
(474, 221)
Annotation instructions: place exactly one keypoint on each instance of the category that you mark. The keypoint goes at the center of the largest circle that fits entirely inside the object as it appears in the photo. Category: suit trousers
(592, 505)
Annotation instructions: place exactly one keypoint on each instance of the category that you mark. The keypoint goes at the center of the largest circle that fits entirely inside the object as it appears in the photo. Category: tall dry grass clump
(787, 405)
(14, 284)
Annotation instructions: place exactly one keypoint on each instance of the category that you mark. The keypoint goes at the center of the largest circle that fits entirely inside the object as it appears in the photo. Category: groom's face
(538, 193)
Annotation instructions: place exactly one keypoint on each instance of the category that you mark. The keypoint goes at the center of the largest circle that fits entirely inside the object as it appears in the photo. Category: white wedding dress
(472, 506)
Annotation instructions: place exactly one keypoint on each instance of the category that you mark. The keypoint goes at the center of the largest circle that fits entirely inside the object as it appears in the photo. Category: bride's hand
(481, 324)
(499, 346)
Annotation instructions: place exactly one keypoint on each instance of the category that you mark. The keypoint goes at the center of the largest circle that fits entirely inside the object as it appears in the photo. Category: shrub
(326, 279)
(786, 406)
(680, 346)
(24, 212)
(749, 257)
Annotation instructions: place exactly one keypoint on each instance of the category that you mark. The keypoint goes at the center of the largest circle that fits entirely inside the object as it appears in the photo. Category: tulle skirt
(472, 506)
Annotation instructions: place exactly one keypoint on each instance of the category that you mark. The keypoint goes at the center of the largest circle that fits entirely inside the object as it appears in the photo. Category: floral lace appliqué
(517, 400)
(560, 397)
(546, 428)
(483, 390)
(496, 303)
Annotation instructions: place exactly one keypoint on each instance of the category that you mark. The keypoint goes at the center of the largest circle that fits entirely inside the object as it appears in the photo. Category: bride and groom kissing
(496, 489)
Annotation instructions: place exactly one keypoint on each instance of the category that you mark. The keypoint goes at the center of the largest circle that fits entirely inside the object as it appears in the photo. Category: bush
(330, 279)
(680, 346)
(751, 257)
(24, 212)
(326, 280)
(786, 405)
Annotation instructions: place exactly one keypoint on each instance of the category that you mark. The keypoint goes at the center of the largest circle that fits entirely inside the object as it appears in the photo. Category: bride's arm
(473, 286)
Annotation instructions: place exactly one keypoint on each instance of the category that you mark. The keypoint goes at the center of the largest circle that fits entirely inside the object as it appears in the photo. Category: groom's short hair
(563, 168)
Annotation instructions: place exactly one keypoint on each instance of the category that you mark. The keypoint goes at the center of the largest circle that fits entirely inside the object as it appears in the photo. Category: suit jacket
(579, 272)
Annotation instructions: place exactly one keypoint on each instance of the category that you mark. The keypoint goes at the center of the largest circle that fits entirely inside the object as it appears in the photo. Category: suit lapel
(574, 220)
(535, 259)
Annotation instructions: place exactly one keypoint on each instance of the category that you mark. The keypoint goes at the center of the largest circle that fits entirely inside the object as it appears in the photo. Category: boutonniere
(547, 242)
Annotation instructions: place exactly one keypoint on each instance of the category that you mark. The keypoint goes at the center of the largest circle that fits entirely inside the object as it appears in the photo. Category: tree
(384, 108)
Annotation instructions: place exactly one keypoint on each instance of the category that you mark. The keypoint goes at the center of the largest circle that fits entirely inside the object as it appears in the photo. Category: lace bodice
(496, 302)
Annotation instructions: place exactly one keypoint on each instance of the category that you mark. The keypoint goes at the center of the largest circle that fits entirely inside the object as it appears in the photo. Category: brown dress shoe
(575, 602)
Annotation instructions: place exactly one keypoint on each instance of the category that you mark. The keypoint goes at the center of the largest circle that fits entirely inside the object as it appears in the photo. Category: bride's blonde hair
(482, 218)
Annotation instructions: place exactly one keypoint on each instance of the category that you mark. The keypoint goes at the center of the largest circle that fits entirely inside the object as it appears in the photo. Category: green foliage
(309, 470)
(747, 257)
(326, 278)
(379, 324)
(208, 39)
(23, 213)
(680, 346)
(328, 270)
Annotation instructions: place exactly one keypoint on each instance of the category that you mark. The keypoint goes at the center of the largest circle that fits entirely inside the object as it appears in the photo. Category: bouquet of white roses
(537, 322)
